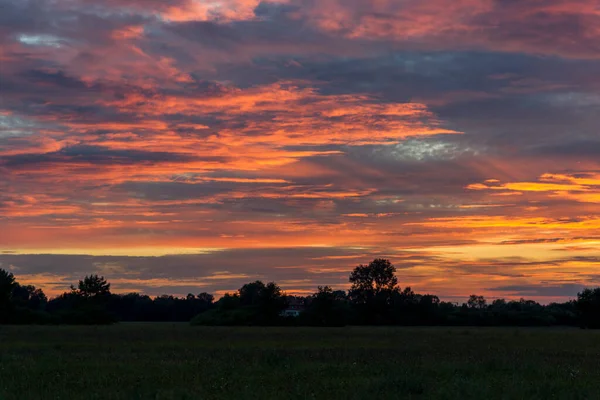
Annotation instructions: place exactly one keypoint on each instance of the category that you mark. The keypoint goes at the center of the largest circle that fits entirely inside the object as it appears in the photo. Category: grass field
(176, 361)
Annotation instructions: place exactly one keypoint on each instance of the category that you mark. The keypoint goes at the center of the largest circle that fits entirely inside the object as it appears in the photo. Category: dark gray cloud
(570, 148)
(568, 290)
(96, 155)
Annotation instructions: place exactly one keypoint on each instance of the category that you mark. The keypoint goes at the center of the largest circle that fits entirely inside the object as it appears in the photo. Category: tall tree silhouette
(206, 298)
(369, 281)
(267, 301)
(476, 302)
(328, 307)
(373, 289)
(7, 284)
(588, 305)
(92, 286)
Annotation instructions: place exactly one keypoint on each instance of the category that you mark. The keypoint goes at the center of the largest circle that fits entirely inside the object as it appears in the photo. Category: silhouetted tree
(29, 297)
(229, 301)
(272, 300)
(92, 286)
(476, 302)
(370, 280)
(564, 313)
(88, 303)
(327, 307)
(373, 289)
(374, 298)
(133, 307)
(498, 304)
(588, 305)
(250, 293)
(206, 298)
(7, 284)
(266, 301)
(256, 303)
(428, 309)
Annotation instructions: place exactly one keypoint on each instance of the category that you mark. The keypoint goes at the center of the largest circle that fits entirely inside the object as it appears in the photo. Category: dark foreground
(166, 361)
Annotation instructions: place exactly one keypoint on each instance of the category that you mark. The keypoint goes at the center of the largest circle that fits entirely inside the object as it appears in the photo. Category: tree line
(374, 298)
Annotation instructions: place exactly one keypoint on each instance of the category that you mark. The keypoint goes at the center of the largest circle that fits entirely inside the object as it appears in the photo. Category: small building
(290, 313)
(294, 308)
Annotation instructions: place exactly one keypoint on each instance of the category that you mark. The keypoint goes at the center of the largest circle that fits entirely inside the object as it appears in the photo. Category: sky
(180, 146)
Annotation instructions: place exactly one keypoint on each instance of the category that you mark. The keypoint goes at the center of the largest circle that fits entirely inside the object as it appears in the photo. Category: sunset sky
(180, 146)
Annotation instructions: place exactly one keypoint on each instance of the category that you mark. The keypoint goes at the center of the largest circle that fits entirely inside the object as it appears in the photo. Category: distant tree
(259, 294)
(368, 281)
(92, 286)
(564, 313)
(427, 310)
(133, 307)
(374, 298)
(90, 303)
(410, 308)
(272, 300)
(476, 302)
(250, 293)
(428, 304)
(267, 300)
(229, 301)
(206, 298)
(407, 295)
(374, 287)
(227, 311)
(340, 295)
(588, 305)
(498, 304)
(327, 307)
(448, 312)
(29, 297)
(256, 303)
(7, 284)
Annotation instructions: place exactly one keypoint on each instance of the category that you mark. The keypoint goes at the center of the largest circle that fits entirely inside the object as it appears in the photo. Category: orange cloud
(242, 139)
(533, 27)
(584, 187)
(494, 222)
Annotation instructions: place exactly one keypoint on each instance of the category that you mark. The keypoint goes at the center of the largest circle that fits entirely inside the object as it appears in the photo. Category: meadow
(177, 361)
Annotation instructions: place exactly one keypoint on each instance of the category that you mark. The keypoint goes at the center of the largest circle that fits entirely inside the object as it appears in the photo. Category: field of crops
(176, 361)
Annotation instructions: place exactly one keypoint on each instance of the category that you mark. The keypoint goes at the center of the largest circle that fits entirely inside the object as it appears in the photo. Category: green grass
(176, 361)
